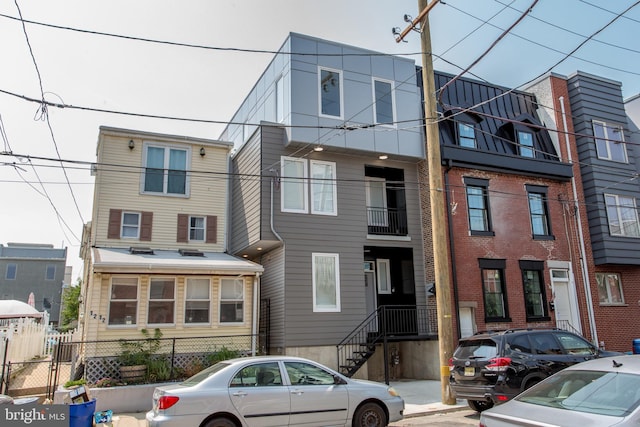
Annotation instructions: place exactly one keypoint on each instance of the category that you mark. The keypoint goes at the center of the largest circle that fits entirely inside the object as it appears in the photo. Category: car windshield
(476, 349)
(204, 374)
(596, 392)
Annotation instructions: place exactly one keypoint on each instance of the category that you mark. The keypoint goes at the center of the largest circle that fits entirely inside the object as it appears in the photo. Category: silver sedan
(602, 392)
(273, 391)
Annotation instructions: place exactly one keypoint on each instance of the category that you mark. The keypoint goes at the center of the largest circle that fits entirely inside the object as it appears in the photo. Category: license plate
(469, 372)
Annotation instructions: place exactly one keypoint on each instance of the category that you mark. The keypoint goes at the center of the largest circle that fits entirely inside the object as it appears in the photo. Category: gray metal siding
(594, 98)
(272, 287)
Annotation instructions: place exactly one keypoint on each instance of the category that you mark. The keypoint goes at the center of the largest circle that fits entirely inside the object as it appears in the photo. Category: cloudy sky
(66, 51)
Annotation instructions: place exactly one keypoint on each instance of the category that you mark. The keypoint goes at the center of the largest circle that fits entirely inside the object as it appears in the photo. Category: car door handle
(297, 392)
(240, 393)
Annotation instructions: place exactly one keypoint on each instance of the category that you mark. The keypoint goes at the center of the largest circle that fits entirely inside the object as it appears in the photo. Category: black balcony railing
(387, 221)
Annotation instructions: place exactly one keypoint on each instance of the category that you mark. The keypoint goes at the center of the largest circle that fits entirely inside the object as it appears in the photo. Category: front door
(371, 294)
(565, 310)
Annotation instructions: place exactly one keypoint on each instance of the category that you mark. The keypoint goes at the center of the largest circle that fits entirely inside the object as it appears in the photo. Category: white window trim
(387, 278)
(122, 225)
(609, 302)
(204, 229)
(334, 188)
(522, 147)
(469, 125)
(175, 289)
(375, 102)
(341, 73)
(371, 219)
(316, 307)
(186, 299)
(305, 184)
(606, 128)
(187, 185)
(618, 208)
(134, 322)
(244, 302)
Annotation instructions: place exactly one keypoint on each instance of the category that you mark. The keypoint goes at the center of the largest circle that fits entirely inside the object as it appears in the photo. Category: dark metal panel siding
(272, 146)
(272, 287)
(245, 196)
(593, 98)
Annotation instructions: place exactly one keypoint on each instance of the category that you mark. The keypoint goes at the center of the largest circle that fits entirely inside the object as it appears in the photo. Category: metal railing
(387, 221)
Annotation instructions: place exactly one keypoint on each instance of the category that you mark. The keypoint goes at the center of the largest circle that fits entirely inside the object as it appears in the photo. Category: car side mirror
(338, 380)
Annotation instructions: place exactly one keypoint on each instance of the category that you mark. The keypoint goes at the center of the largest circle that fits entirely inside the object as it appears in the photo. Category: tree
(70, 306)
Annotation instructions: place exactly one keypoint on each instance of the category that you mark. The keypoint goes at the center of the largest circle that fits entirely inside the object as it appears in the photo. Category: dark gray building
(27, 268)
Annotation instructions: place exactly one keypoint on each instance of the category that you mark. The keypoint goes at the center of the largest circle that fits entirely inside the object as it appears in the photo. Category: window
(609, 142)
(302, 373)
(50, 272)
(197, 301)
(466, 135)
(161, 300)
(165, 170)
(123, 304)
(384, 102)
(326, 282)
(258, 375)
(622, 215)
(323, 188)
(478, 206)
(384, 276)
(330, 88)
(196, 228)
(534, 294)
(494, 290)
(609, 288)
(377, 202)
(130, 225)
(12, 272)
(231, 301)
(525, 144)
(538, 210)
(294, 194)
(279, 100)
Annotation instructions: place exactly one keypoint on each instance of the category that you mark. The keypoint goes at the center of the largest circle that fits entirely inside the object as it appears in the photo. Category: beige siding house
(154, 250)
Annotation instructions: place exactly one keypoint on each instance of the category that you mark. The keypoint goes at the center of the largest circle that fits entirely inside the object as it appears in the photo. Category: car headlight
(392, 391)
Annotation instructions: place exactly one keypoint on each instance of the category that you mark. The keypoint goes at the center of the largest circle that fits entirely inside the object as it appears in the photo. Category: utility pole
(438, 205)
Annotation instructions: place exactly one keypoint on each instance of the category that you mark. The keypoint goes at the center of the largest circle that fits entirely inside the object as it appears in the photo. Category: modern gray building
(27, 268)
(325, 195)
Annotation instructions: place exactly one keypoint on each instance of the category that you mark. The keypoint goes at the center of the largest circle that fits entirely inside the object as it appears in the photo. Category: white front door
(371, 297)
(467, 323)
(566, 309)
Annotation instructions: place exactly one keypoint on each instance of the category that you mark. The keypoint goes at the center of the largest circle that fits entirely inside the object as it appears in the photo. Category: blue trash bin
(81, 414)
(636, 346)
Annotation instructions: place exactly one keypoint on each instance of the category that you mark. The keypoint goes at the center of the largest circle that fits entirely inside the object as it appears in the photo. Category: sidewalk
(420, 397)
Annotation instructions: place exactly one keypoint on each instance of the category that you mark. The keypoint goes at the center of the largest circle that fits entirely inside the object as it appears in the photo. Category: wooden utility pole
(438, 204)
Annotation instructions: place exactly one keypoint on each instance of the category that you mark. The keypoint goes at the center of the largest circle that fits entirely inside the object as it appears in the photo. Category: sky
(46, 56)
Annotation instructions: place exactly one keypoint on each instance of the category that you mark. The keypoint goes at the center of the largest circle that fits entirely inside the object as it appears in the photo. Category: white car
(273, 391)
(601, 392)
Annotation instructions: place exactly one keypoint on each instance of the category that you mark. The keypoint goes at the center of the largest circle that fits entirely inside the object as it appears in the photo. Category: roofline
(106, 130)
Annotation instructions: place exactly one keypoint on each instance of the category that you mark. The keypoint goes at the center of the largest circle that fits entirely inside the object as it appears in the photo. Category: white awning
(14, 309)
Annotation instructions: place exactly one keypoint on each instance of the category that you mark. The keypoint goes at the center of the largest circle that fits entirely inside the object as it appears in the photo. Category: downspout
(454, 277)
(254, 326)
(583, 260)
(273, 229)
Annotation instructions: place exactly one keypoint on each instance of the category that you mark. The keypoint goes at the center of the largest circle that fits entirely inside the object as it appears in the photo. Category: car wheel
(220, 422)
(370, 415)
(531, 383)
(479, 405)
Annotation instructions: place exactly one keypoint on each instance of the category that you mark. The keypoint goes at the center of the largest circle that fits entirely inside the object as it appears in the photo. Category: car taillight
(451, 364)
(166, 402)
(499, 364)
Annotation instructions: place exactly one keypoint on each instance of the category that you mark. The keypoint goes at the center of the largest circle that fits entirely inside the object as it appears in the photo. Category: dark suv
(492, 367)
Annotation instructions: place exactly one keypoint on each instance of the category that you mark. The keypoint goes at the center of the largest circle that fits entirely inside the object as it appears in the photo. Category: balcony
(387, 221)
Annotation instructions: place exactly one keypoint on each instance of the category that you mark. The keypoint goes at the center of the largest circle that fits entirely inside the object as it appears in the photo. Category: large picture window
(231, 301)
(165, 170)
(383, 102)
(161, 300)
(609, 288)
(622, 215)
(609, 142)
(123, 301)
(197, 301)
(323, 188)
(326, 282)
(330, 89)
(294, 183)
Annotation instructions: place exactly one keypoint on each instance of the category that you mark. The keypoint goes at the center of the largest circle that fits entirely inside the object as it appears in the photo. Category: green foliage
(139, 352)
(74, 383)
(159, 369)
(223, 354)
(70, 306)
(107, 382)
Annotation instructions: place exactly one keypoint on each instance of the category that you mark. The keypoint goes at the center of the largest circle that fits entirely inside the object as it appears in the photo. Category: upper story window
(609, 288)
(525, 144)
(123, 301)
(196, 228)
(622, 215)
(294, 182)
(165, 170)
(539, 211)
(609, 142)
(279, 98)
(161, 300)
(383, 102)
(466, 135)
(478, 206)
(326, 282)
(50, 273)
(12, 272)
(130, 225)
(330, 92)
(323, 188)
